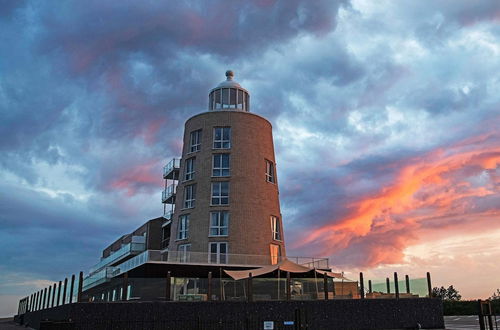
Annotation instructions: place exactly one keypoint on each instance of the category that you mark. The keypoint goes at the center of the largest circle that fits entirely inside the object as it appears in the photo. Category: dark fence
(326, 314)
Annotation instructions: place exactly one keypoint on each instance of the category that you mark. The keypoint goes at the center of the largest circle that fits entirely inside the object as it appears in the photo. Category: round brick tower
(227, 202)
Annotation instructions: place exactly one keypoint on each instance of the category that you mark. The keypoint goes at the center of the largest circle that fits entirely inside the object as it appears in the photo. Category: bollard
(361, 286)
(407, 278)
(71, 288)
(167, 287)
(124, 286)
(396, 285)
(388, 285)
(288, 284)
(209, 286)
(80, 287)
(429, 285)
(65, 289)
(249, 287)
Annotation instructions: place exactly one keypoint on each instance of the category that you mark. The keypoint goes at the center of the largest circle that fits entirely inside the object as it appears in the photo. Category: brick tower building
(224, 194)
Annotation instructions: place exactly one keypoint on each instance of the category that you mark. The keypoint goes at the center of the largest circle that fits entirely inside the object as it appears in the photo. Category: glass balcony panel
(171, 170)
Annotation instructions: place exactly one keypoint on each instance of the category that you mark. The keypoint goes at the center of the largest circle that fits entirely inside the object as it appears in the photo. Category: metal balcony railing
(168, 195)
(171, 170)
(124, 251)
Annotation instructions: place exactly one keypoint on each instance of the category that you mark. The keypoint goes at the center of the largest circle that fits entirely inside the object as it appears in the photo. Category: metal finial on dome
(229, 74)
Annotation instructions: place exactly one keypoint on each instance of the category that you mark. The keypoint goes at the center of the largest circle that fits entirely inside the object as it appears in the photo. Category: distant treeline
(467, 307)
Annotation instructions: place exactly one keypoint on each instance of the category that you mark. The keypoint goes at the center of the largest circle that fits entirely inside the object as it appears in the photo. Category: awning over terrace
(285, 266)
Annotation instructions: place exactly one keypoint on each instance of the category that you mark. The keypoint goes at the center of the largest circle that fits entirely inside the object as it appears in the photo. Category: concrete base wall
(331, 314)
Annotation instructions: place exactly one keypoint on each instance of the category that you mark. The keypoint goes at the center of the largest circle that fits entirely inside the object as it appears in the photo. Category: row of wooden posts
(46, 298)
(396, 285)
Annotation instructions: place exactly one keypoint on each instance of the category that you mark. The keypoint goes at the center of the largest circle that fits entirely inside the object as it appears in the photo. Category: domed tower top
(229, 95)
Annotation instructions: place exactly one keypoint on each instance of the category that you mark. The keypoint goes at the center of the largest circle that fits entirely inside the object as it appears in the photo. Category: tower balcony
(168, 195)
(171, 170)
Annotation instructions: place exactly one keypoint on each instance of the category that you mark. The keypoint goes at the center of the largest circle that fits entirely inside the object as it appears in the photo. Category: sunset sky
(386, 118)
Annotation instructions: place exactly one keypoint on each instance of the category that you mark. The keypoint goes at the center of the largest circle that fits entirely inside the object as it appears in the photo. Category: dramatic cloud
(385, 120)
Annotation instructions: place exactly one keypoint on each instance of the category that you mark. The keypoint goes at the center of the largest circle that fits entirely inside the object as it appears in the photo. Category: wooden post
(482, 324)
(30, 302)
(39, 300)
(361, 286)
(209, 286)
(71, 288)
(370, 286)
(325, 285)
(429, 285)
(333, 291)
(168, 287)
(249, 288)
(396, 285)
(65, 289)
(44, 298)
(388, 285)
(288, 284)
(80, 288)
(407, 278)
(50, 296)
(53, 295)
(124, 286)
(59, 294)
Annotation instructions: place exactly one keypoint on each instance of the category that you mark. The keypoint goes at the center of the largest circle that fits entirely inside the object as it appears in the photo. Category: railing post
(325, 285)
(407, 279)
(288, 284)
(80, 287)
(429, 285)
(168, 287)
(59, 294)
(124, 286)
(72, 287)
(209, 287)
(65, 289)
(396, 285)
(249, 287)
(361, 286)
(388, 285)
(53, 294)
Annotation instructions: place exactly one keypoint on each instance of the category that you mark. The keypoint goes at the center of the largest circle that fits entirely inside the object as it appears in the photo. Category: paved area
(469, 322)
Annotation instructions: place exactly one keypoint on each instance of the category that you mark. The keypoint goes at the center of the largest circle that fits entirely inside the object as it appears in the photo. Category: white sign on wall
(268, 325)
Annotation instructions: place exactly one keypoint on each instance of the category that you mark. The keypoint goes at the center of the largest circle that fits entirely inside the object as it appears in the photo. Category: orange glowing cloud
(442, 184)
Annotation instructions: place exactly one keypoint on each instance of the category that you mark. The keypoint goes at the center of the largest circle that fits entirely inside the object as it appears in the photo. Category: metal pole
(65, 289)
(72, 287)
(168, 287)
(325, 285)
(44, 297)
(59, 294)
(429, 285)
(361, 286)
(407, 278)
(50, 296)
(396, 285)
(39, 302)
(209, 287)
(80, 287)
(288, 284)
(53, 295)
(124, 286)
(388, 285)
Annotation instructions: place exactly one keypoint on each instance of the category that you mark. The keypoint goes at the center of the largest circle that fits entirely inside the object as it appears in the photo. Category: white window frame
(184, 252)
(189, 196)
(189, 168)
(219, 198)
(218, 257)
(195, 141)
(222, 143)
(217, 229)
(276, 228)
(270, 172)
(218, 171)
(183, 227)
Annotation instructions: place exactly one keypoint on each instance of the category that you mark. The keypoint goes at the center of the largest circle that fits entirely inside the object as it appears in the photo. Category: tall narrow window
(220, 193)
(189, 169)
(195, 141)
(220, 165)
(217, 253)
(184, 253)
(219, 222)
(222, 137)
(270, 172)
(189, 196)
(276, 228)
(183, 227)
